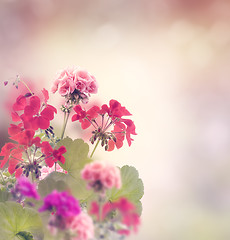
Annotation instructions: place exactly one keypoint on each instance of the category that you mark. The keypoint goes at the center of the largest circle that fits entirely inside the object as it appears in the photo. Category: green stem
(64, 124)
(95, 148)
(2, 177)
(26, 86)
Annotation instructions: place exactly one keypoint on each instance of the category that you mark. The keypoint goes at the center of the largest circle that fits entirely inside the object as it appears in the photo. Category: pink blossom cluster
(45, 171)
(74, 79)
(101, 176)
(82, 226)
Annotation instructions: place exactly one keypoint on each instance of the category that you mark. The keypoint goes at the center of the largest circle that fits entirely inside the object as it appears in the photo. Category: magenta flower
(25, 188)
(62, 204)
(101, 176)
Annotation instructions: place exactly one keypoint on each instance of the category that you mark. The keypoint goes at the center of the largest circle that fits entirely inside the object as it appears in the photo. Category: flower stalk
(95, 148)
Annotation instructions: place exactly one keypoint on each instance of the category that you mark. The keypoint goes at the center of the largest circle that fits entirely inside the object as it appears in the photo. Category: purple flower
(26, 188)
(61, 203)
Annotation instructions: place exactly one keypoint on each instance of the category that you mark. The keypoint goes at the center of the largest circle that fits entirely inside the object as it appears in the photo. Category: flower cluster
(75, 84)
(102, 118)
(81, 226)
(35, 151)
(63, 207)
(24, 188)
(101, 176)
(45, 171)
(61, 203)
(30, 115)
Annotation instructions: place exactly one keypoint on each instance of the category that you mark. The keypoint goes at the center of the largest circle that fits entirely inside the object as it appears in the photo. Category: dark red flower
(33, 118)
(131, 129)
(84, 117)
(12, 153)
(5, 152)
(25, 137)
(52, 155)
(45, 94)
(20, 103)
(14, 129)
(109, 116)
(115, 109)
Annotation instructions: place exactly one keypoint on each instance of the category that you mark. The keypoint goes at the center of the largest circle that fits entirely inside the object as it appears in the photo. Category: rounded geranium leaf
(76, 154)
(15, 219)
(132, 187)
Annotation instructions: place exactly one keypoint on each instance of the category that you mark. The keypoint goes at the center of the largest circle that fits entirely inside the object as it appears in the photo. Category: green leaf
(4, 195)
(132, 187)
(62, 182)
(50, 183)
(14, 219)
(76, 156)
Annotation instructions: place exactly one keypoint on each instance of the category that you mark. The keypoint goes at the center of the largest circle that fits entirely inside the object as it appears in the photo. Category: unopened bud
(28, 94)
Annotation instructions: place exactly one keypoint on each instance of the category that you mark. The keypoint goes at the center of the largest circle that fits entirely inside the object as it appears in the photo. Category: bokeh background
(167, 61)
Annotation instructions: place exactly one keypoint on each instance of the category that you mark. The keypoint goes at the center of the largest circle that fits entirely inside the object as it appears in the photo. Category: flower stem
(2, 177)
(95, 148)
(26, 86)
(66, 117)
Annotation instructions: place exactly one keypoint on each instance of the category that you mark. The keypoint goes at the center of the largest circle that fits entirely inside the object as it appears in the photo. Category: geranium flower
(45, 171)
(34, 117)
(81, 226)
(126, 214)
(62, 204)
(52, 155)
(25, 188)
(75, 84)
(101, 176)
(111, 115)
(12, 153)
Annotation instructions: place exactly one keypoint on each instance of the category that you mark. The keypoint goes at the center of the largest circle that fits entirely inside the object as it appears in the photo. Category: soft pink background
(167, 61)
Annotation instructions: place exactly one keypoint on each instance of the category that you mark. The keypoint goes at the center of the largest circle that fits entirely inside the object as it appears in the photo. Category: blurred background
(167, 62)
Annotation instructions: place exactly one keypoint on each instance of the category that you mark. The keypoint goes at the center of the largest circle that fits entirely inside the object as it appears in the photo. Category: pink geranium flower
(101, 176)
(45, 171)
(82, 226)
(75, 84)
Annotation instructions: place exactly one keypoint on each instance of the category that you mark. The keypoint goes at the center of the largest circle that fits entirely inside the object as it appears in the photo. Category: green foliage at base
(76, 158)
(25, 235)
(17, 222)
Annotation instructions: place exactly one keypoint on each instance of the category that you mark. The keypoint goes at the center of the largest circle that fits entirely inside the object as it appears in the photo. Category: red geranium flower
(110, 116)
(53, 155)
(126, 213)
